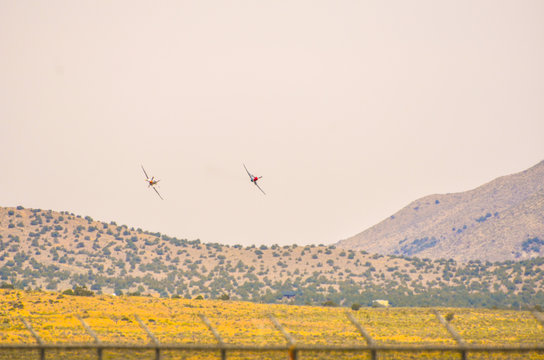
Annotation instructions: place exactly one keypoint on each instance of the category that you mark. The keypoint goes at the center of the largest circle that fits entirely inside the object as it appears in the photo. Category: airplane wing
(257, 185)
(147, 177)
(157, 193)
(250, 176)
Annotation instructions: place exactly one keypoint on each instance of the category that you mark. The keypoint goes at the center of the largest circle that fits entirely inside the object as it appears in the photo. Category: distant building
(380, 303)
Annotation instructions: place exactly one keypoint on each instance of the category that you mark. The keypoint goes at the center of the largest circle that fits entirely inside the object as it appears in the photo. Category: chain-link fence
(291, 349)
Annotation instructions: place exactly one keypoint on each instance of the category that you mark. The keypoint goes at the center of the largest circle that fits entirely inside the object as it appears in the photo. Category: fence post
(293, 353)
(369, 340)
(216, 335)
(93, 335)
(36, 336)
(151, 336)
(453, 333)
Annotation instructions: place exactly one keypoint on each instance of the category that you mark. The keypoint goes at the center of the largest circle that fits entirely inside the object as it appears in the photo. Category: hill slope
(500, 220)
(56, 251)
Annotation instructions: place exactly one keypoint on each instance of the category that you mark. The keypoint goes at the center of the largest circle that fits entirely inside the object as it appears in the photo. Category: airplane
(254, 179)
(151, 182)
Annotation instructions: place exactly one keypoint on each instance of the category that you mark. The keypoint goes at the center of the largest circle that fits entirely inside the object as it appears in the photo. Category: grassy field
(177, 321)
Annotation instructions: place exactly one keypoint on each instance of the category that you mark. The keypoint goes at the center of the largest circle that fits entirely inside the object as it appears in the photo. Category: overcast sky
(348, 109)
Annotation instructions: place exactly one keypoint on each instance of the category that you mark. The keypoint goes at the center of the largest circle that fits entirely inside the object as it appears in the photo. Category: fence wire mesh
(279, 341)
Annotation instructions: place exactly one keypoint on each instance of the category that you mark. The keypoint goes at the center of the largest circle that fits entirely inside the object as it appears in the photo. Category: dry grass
(176, 321)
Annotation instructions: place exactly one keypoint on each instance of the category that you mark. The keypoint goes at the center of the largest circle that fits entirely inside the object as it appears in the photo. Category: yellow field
(177, 321)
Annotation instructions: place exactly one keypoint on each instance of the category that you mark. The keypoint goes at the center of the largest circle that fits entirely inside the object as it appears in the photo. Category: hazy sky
(348, 109)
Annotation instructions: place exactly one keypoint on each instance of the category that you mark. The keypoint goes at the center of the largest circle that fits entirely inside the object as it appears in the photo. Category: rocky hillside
(500, 220)
(59, 250)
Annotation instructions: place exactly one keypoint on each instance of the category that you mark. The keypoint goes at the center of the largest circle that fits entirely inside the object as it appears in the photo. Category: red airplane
(151, 182)
(254, 179)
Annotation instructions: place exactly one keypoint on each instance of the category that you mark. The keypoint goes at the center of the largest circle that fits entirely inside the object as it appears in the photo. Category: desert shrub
(5, 285)
(78, 291)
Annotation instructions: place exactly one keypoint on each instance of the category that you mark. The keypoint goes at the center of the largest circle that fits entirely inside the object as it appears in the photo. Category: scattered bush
(330, 303)
(79, 291)
(5, 285)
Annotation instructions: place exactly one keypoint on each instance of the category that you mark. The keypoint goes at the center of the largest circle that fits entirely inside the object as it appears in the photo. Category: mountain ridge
(492, 222)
